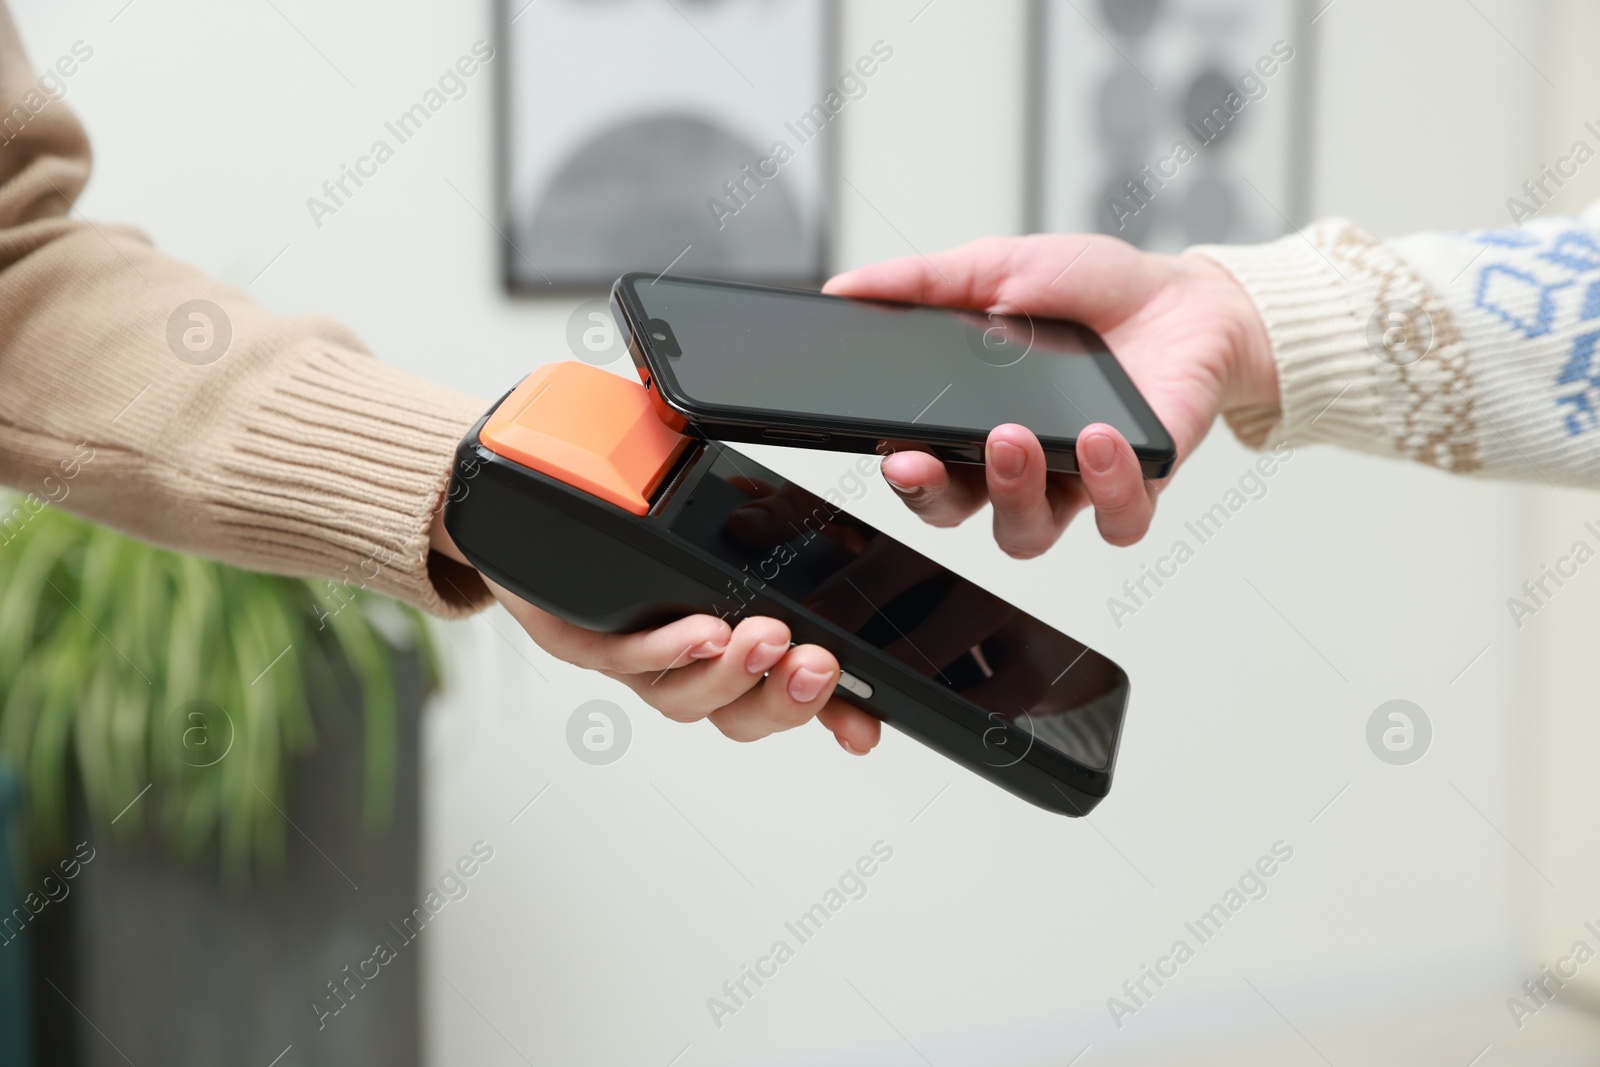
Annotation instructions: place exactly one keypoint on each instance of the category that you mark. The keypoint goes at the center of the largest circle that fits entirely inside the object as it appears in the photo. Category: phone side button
(855, 686)
(799, 437)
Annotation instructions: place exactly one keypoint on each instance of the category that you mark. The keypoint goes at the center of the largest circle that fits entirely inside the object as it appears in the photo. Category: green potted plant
(195, 727)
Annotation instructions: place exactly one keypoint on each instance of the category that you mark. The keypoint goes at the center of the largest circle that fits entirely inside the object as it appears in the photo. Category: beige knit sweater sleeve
(141, 394)
(1476, 352)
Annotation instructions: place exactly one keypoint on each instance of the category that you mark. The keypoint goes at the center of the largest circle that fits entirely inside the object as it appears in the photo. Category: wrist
(1250, 371)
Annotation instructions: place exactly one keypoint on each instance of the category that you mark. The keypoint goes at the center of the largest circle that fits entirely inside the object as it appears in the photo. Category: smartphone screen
(753, 349)
(1016, 669)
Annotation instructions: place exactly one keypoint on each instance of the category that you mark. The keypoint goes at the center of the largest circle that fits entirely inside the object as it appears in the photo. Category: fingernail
(853, 750)
(807, 683)
(1099, 452)
(901, 487)
(706, 649)
(764, 655)
(1007, 460)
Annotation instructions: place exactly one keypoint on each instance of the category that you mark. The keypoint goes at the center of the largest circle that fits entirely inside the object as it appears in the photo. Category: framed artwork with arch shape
(651, 135)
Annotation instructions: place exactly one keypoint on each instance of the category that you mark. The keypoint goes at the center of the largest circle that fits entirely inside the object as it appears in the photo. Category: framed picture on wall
(1170, 122)
(649, 135)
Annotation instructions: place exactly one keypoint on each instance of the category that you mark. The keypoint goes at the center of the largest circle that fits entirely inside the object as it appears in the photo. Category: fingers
(1031, 506)
(746, 679)
(1115, 485)
(968, 277)
(856, 731)
(692, 692)
(1095, 279)
(694, 637)
(1025, 520)
(799, 686)
(796, 689)
(942, 496)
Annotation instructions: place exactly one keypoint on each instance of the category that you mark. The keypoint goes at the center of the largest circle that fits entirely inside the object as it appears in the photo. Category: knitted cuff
(1368, 355)
(338, 471)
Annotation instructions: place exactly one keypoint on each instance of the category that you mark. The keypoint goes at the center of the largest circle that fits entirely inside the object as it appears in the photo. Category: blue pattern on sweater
(1526, 293)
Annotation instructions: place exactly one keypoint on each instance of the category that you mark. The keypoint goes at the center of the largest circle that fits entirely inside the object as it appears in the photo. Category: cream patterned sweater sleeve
(287, 448)
(1477, 352)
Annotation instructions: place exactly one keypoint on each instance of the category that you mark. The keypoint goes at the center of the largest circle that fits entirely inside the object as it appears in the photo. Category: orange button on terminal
(589, 428)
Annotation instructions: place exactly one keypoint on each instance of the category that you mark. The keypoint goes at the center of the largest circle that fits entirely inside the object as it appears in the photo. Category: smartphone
(732, 362)
(571, 493)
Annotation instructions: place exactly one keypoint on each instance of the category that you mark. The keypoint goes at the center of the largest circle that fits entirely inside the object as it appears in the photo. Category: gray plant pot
(163, 964)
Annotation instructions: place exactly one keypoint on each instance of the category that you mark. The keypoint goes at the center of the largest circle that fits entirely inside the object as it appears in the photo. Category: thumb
(1088, 278)
(970, 276)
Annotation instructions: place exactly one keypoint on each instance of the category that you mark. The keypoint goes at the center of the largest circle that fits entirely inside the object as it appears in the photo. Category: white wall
(623, 898)
(1563, 804)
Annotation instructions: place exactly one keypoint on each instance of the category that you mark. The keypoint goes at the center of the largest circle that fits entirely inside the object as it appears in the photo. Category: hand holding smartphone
(734, 362)
(1183, 327)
